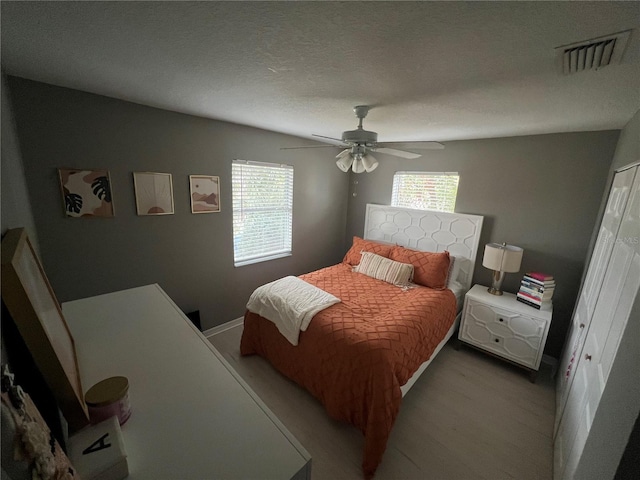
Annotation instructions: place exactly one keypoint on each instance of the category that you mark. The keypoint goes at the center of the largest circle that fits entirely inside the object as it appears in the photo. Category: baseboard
(223, 328)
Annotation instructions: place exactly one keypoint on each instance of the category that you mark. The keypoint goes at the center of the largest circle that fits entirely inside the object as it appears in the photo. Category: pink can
(109, 398)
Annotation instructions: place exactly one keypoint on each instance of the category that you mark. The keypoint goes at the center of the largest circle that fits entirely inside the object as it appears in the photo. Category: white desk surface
(192, 416)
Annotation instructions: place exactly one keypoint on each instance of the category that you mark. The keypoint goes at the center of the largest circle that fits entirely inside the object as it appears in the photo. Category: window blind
(425, 190)
(262, 211)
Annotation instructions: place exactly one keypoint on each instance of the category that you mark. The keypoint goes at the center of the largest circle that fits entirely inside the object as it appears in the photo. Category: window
(425, 190)
(262, 211)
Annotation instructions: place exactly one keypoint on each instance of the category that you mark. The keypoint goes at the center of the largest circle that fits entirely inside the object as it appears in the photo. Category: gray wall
(190, 256)
(628, 148)
(16, 205)
(540, 192)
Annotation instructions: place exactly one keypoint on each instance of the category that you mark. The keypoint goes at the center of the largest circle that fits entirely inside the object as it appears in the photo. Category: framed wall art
(36, 312)
(154, 193)
(205, 193)
(86, 193)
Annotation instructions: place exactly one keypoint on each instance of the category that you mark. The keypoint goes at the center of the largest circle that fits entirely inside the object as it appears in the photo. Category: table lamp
(501, 258)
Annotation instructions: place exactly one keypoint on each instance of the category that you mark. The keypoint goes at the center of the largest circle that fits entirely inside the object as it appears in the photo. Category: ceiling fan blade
(310, 146)
(339, 140)
(398, 153)
(413, 145)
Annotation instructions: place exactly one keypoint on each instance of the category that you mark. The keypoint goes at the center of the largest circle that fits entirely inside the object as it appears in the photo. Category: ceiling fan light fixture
(359, 142)
(345, 161)
(369, 163)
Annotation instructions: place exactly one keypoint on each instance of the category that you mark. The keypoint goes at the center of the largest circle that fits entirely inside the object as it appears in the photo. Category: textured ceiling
(431, 70)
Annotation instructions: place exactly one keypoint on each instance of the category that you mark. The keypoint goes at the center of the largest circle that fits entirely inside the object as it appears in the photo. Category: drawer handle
(582, 325)
(497, 340)
(587, 357)
(501, 319)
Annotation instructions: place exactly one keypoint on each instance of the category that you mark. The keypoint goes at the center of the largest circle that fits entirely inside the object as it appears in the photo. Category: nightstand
(502, 326)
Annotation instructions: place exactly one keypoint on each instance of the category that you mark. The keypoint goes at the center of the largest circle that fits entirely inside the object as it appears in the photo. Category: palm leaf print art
(100, 187)
(86, 193)
(72, 201)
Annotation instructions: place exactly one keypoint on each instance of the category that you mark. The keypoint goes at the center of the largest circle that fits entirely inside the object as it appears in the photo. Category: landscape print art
(154, 193)
(86, 193)
(205, 193)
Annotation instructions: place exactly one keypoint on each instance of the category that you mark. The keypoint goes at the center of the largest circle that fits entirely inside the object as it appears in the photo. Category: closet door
(611, 313)
(590, 292)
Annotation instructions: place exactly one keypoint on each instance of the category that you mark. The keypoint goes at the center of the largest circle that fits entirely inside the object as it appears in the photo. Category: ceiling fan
(359, 143)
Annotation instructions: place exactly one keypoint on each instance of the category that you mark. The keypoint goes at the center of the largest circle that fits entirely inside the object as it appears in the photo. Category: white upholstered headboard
(428, 231)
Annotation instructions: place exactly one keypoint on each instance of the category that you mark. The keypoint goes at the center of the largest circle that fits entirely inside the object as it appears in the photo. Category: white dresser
(192, 416)
(505, 327)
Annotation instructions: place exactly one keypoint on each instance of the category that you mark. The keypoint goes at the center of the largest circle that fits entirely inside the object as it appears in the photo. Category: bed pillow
(454, 270)
(360, 245)
(384, 269)
(429, 269)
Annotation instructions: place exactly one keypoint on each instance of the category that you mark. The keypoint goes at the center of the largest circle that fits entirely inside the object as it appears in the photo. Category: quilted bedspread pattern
(356, 354)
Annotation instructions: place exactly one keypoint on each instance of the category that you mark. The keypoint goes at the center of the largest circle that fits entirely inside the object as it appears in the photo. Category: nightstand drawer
(509, 334)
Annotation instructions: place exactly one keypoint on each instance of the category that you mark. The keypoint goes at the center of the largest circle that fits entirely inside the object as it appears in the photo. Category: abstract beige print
(154, 193)
(205, 193)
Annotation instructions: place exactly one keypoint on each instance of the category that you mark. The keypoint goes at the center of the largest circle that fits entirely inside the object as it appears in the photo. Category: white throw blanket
(290, 303)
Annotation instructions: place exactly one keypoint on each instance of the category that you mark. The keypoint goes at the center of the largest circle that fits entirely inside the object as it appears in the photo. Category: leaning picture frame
(205, 193)
(154, 193)
(36, 312)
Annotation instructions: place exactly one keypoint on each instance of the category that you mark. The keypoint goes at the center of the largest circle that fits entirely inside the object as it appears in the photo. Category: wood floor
(469, 416)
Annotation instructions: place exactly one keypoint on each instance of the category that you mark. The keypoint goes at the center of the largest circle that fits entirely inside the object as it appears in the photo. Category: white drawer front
(504, 333)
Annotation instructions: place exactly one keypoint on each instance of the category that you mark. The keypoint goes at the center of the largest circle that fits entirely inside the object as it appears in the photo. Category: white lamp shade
(344, 162)
(344, 152)
(502, 258)
(369, 162)
(357, 166)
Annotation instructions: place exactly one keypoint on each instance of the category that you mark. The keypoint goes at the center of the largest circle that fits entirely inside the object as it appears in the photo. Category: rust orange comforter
(356, 354)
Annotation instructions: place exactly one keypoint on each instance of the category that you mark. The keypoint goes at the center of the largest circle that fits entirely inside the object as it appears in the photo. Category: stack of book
(536, 289)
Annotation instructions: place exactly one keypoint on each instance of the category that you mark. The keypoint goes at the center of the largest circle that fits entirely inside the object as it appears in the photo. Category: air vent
(592, 54)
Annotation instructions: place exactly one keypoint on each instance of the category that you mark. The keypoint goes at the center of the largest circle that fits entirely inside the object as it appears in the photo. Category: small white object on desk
(97, 452)
(505, 327)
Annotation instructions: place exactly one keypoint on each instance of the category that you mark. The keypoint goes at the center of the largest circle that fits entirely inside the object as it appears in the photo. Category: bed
(360, 356)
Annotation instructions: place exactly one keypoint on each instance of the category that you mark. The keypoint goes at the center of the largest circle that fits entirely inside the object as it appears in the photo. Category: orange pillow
(360, 245)
(429, 269)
